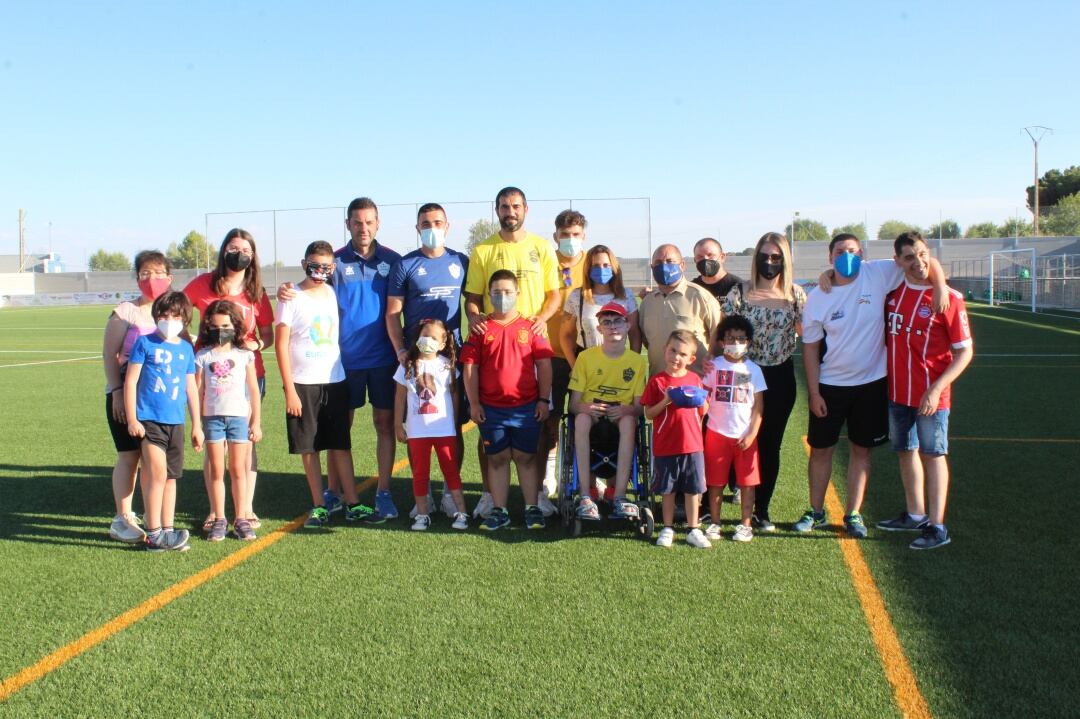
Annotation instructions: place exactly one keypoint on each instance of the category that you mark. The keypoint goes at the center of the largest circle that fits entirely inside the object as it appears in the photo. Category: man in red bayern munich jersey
(927, 351)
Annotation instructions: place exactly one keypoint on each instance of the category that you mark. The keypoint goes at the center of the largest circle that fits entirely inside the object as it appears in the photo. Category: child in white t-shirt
(425, 409)
(229, 392)
(735, 386)
(316, 393)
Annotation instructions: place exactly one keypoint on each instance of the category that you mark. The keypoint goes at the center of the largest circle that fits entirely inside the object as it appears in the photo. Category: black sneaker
(932, 538)
(762, 524)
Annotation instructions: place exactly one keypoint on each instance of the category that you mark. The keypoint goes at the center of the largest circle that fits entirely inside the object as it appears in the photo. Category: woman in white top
(601, 284)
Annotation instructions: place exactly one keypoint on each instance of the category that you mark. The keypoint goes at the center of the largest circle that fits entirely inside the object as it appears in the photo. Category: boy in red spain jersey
(926, 352)
(507, 371)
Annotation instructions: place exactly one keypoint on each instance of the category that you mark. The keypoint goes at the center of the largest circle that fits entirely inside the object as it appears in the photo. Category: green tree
(1054, 187)
(948, 229)
(807, 229)
(480, 231)
(854, 228)
(891, 229)
(1015, 227)
(193, 252)
(102, 261)
(1063, 219)
(983, 229)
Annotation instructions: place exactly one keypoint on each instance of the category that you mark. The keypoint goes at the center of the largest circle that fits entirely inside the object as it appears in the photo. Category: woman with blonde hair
(774, 305)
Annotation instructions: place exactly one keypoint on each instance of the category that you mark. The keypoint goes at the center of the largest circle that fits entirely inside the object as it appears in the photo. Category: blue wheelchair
(604, 450)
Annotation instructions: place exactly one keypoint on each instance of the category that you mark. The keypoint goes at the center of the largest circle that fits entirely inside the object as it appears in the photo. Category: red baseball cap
(612, 308)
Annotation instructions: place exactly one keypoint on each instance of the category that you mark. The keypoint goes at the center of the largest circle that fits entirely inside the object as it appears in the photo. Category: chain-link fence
(1020, 277)
(282, 234)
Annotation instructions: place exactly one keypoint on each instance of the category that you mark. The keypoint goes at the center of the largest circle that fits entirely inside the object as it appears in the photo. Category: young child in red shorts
(735, 386)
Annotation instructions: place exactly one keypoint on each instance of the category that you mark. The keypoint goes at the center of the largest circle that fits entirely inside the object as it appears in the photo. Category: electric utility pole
(1036, 133)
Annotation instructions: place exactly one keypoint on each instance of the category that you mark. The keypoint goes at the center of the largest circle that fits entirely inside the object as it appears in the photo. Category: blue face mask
(601, 275)
(848, 264)
(432, 238)
(503, 303)
(666, 273)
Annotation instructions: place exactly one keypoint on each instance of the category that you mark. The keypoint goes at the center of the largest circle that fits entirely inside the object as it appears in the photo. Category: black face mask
(708, 268)
(767, 269)
(220, 335)
(237, 261)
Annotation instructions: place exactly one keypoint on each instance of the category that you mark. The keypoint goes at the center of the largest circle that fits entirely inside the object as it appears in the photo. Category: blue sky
(124, 124)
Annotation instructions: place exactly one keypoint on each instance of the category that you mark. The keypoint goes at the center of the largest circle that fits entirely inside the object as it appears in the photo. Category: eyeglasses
(612, 322)
(775, 258)
(147, 274)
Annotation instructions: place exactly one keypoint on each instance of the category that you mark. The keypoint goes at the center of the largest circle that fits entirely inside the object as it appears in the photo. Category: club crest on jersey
(383, 269)
(924, 311)
(534, 257)
(523, 337)
(455, 271)
(628, 375)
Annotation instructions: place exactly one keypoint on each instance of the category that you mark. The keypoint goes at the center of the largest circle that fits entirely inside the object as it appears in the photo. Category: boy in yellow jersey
(605, 386)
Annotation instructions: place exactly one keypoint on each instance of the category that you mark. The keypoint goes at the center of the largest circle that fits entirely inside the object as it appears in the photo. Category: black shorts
(865, 409)
(121, 439)
(170, 439)
(463, 411)
(324, 419)
(376, 383)
(560, 385)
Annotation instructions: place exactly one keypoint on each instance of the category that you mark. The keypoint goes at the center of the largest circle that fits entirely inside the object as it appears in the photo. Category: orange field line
(909, 700)
(53, 661)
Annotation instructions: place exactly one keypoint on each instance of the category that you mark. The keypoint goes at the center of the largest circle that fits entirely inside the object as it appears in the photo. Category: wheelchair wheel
(646, 525)
(575, 528)
(566, 512)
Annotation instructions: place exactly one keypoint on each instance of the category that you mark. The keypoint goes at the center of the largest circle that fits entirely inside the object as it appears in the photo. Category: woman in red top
(237, 278)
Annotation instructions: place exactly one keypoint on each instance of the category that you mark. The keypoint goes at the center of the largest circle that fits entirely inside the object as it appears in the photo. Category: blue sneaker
(384, 504)
(854, 525)
(902, 523)
(496, 519)
(332, 502)
(534, 517)
(933, 536)
(809, 521)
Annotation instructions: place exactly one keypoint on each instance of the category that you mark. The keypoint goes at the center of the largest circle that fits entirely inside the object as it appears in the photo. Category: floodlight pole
(22, 239)
(1039, 131)
(794, 223)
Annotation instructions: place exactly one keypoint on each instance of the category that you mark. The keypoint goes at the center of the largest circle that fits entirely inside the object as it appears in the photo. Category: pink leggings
(420, 456)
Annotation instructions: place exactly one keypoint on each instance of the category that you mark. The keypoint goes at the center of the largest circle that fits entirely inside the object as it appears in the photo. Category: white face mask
(736, 350)
(570, 246)
(170, 329)
(428, 345)
(432, 238)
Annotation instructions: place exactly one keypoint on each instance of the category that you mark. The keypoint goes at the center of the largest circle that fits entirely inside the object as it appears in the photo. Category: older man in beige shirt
(675, 304)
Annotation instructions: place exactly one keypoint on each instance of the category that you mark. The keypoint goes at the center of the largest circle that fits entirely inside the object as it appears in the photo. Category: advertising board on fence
(69, 298)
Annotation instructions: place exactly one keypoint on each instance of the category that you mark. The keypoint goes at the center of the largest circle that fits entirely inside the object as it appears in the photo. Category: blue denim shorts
(909, 430)
(220, 428)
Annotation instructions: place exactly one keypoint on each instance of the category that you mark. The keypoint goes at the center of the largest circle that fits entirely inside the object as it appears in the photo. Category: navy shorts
(910, 430)
(376, 384)
(679, 473)
(505, 427)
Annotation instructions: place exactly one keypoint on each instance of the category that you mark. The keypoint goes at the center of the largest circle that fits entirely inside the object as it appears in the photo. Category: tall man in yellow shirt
(533, 263)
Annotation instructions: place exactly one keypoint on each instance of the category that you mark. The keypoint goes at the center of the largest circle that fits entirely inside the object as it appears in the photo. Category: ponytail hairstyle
(412, 356)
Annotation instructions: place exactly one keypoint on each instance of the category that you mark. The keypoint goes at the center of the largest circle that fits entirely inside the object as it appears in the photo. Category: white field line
(44, 352)
(32, 364)
(51, 329)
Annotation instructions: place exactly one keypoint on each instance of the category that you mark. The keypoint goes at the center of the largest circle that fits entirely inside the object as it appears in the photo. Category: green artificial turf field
(383, 621)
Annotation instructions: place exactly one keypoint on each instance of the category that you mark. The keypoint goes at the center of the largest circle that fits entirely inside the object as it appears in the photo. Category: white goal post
(1013, 282)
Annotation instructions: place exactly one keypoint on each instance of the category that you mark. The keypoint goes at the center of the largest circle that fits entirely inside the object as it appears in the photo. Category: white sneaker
(713, 531)
(484, 506)
(422, 522)
(446, 504)
(414, 512)
(124, 529)
(743, 533)
(667, 536)
(545, 505)
(461, 521)
(697, 539)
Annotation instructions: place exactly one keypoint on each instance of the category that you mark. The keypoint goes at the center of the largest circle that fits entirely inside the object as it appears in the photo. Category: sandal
(254, 521)
(587, 510)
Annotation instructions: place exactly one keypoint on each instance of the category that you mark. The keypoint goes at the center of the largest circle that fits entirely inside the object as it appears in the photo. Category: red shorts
(721, 452)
